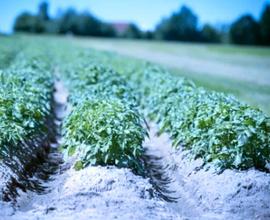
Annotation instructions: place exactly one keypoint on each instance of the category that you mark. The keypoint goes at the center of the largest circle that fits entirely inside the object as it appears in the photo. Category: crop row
(26, 89)
(104, 126)
(218, 128)
(211, 125)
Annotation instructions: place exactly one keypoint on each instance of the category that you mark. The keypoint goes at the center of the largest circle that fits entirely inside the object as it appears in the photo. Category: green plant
(104, 126)
(91, 79)
(26, 89)
(104, 132)
(213, 126)
(216, 127)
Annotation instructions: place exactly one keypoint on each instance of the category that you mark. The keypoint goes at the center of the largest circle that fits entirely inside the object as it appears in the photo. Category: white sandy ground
(111, 193)
(206, 195)
(95, 193)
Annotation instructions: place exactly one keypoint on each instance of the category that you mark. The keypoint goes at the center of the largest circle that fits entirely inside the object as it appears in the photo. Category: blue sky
(146, 13)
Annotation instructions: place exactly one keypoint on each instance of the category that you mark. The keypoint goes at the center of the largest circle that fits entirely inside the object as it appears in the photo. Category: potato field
(89, 134)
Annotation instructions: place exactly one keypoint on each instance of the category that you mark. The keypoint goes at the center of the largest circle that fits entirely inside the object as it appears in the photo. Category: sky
(145, 13)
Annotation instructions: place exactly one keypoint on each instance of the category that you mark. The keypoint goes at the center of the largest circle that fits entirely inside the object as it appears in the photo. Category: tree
(23, 22)
(107, 30)
(26, 22)
(265, 25)
(43, 11)
(83, 24)
(133, 31)
(210, 35)
(87, 25)
(181, 25)
(67, 21)
(149, 35)
(245, 30)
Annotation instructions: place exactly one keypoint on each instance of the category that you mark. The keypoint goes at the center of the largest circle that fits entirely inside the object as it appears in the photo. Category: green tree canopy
(133, 31)
(27, 22)
(265, 25)
(209, 34)
(181, 25)
(43, 11)
(245, 30)
(70, 21)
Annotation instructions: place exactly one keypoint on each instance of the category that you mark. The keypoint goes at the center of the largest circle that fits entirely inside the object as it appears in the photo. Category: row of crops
(26, 88)
(110, 99)
(218, 128)
(210, 125)
(104, 126)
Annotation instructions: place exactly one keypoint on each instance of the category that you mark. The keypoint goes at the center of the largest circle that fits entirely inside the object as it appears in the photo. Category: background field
(240, 70)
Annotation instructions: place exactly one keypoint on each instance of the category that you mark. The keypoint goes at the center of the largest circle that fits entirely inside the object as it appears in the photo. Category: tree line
(181, 25)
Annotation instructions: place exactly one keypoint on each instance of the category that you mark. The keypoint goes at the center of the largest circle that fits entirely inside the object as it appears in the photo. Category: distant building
(120, 27)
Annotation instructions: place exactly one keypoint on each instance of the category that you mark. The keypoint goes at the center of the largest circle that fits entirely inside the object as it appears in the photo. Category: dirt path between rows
(205, 194)
(167, 178)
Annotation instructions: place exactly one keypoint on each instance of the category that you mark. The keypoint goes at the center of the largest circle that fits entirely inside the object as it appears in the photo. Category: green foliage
(245, 30)
(27, 22)
(210, 35)
(25, 95)
(26, 123)
(181, 25)
(43, 11)
(265, 25)
(91, 80)
(104, 132)
(104, 126)
(211, 125)
(133, 32)
(84, 24)
(70, 22)
(216, 127)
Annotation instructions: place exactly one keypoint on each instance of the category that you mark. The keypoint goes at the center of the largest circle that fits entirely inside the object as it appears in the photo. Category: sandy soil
(207, 195)
(95, 193)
